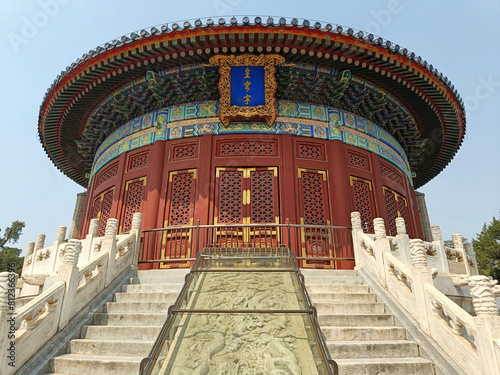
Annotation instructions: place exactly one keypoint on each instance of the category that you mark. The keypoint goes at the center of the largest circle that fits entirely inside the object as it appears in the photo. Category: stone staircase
(361, 336)
(122, 334)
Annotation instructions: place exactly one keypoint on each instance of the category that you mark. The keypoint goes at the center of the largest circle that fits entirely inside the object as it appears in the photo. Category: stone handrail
(452, 325)
(75, 283)
(471, 339)
(35, 322)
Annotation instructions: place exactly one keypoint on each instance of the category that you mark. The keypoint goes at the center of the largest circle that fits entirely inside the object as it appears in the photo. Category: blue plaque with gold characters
(247, 86)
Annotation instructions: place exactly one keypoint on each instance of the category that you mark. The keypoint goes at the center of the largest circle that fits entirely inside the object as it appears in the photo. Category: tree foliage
(9, 255)
(487, 248)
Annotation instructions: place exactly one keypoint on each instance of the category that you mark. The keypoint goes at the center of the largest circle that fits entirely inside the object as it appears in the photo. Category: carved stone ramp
(242, 314)
(122, 334)
(361, 336)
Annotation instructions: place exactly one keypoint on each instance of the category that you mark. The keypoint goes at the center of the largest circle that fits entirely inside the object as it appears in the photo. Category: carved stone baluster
(356, 221)
(94, 227)
(379, 227)
(483, 298)
(418, 254)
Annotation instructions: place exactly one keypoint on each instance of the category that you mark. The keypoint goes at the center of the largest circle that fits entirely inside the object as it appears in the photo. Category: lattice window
(392, 210)
(358, 161)
(231, 197)
(391, 174)
(138, 161)
(313, 194)
(107, 174)
(254, 148)
(397, 206)
(102, 208)
(133, 202)
(107, 203)
(363, 201)
(185, 151)
(181, 209)
(402, 208)
(262, 197)
(309, 151)
(96, 207)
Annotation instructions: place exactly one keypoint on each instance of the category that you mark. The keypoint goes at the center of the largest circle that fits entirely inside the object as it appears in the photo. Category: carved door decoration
(314, 211)
(397, 206)
(101, 208)
(134, 196)
(247, 196)
(179, 212)
(362, 192)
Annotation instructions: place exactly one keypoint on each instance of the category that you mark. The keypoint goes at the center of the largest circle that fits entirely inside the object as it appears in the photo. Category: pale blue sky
(40, 38)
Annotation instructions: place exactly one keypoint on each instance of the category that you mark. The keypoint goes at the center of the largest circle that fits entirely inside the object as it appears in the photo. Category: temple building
(250, 208)
(251, 122)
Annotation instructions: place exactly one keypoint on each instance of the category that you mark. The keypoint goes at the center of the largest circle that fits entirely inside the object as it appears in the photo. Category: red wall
(139, 179)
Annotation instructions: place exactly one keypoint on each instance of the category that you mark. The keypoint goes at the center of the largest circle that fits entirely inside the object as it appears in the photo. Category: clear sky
(39, 38)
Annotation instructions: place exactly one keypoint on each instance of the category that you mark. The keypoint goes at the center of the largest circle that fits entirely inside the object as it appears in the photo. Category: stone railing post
(68, 272)
(382, 244)
(109, 245)
(486, 323)
(136, 229)
(7, 322)
(469, 250)
(40, 242)
(404, 241)
(29, 259)
(88, 247)
(56, 248)
(356, 228)
(421, 275)
(458, 244)
(437, 241)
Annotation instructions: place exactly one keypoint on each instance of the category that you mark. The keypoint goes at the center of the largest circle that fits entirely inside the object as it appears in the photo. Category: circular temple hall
(251, 125)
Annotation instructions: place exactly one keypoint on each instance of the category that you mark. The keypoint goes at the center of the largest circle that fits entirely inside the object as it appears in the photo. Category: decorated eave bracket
(247, 87)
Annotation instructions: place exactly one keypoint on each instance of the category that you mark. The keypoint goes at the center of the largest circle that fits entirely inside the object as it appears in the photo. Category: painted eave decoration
(420, 107)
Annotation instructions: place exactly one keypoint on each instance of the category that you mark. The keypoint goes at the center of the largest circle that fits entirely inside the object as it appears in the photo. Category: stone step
(386, 366)
(373, 349)
(141, 288)
(361, 333)
(155, 280)
(355, 320)
(170, 296)
(342, 297)
(350, 308)
(129, 319)
(117, 347)
(334, 280)
(336, 288)
(326, 272)
(178, 273)
(92, 364)
(137, 307)
(123, 332)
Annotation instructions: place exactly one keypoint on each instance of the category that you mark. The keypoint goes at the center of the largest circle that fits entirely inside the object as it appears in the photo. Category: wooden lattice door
(179, 212)
(101, 209)
(314, 210)
(397, 206)
(246, 196)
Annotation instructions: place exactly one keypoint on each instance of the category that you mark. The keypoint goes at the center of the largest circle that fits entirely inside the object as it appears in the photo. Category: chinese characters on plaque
(247, 86)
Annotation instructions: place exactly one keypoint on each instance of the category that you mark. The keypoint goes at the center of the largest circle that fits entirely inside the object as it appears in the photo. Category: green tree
(487, 248)
(10, 255)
